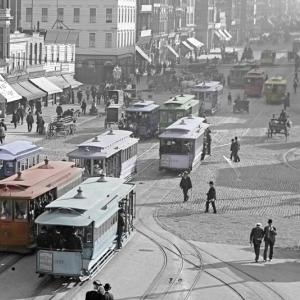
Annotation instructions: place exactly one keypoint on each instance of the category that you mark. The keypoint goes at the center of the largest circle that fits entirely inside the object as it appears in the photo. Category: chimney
(19, 176)
(101, 177)
(95, 139)
(46, 161)
(79, 194)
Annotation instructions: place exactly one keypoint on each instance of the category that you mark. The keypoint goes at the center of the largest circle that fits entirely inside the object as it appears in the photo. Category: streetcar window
(163, 116)
(1, 164)
(20, 210)
(5, 210)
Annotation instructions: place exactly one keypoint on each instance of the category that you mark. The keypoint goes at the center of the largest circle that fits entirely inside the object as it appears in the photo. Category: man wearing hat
(211, 197)
(269, 234)
(256, 236)
(108, 295)
(97, 293)
(185, 185)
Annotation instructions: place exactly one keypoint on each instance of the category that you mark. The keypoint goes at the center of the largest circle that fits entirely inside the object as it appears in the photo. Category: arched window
(41, 53)
(35, 53)
(30, 54)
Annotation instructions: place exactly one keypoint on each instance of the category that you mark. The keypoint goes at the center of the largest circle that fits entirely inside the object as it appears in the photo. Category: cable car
(236, 75)
(275, 89)
(177, 107)
(267, 58)
(18, 156)
(78, 232)
(142, 118)
(181, 144)
(114, 152)
(209, 94)
(24, 196)
(116, 96)
(254, 83)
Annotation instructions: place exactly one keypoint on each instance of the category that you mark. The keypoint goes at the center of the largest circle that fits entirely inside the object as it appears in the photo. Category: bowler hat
(211, 182)
(107, 286)
(270, 221)
(258, 224)
(97, 282)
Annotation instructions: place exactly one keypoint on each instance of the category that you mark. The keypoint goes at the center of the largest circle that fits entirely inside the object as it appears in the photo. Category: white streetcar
(181, 144)
(114, 152)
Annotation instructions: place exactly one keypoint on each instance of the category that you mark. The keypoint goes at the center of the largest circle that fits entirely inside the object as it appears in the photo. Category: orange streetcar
(254, 82)
(24, 196)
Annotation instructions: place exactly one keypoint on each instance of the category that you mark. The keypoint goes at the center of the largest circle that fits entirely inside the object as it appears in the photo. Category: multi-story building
(106, 32)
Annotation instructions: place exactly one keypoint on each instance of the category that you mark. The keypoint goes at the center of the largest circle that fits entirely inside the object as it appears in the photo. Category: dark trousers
(29, 127)
(208, 148)
(268, 244)
(236, 157)
(1, 139)
(119, 239)
(212, 204)
(185, 195)
(256, 245)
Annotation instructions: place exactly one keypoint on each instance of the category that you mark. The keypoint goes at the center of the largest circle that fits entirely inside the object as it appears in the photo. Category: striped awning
(143, 54)
(195, 43)
(172, 51)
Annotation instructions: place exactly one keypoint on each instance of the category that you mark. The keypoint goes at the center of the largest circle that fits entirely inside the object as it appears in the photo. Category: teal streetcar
(177, 107)
(79, 231)
(142, 118)
(237, 73)
(275, 89)
(18, 156)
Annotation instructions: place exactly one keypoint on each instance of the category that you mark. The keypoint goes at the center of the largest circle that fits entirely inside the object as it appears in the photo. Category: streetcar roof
(255, 73)
(208, 86)
(179, 100)
(38, 180)
(18, 149)
(104, 145)
(278, 80)
(93, 202)
(142, 106)
(185, 128)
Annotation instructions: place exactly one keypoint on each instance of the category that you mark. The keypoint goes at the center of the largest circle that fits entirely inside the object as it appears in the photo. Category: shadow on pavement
(281, 146)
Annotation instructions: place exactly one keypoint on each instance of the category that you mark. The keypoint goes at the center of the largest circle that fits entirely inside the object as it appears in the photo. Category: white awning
(224, 36)
(171, 49)
(216, 32)
(46, 85)
(227, 33)
(190, 48)
(195, 43)
(59, 81)
(74, 83)
(7, 92)
(143, 54)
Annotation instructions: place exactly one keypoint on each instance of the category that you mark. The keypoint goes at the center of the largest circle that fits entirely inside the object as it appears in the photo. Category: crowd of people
(100, 292)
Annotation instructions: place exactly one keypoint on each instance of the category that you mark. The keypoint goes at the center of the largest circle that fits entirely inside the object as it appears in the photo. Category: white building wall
(121, 26)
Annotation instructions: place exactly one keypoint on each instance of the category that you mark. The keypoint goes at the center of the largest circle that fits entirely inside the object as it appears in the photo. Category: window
(28, 14)
(109, 15)
(20, 210)
(76, 18)
(60, 14)
(92, 15)
(108, 40)
(92, 40)
(5, 210)
(44, 14)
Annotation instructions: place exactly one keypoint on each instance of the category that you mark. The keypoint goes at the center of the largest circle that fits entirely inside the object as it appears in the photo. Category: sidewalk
(21, 131)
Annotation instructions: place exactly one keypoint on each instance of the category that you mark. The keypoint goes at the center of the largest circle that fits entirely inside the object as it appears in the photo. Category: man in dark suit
(256, 237)
(185, 185)
(97, 293)
(211, 197)
(269, 238)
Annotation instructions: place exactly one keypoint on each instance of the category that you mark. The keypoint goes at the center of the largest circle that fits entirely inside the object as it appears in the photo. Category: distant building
(106, 32)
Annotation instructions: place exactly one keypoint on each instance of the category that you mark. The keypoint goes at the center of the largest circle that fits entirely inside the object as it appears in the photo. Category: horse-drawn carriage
(240, 106)
(278, 126)
(62, 125)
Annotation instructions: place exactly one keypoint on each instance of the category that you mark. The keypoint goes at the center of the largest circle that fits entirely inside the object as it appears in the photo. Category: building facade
(106, 32)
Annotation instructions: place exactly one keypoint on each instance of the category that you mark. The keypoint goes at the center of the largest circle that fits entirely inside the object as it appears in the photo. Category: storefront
(52, 90)
(8, 98)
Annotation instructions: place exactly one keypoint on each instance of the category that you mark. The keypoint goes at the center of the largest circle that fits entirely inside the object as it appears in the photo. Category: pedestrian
(295, 85)
(256, 237)
(269, 239)
(87, 93)
(208, 141)
(59, 110)
(120, 228)
(21, 113)
(231, 149)
(72, 97)
(29, 121)
(93, 92)
(286, 102)
(211, 198)
(2, 123)
(185, 185)
(2, 134)
(97, 293)
(236, 149)
(108, 295)
(99, 95)
(14, 119)
(83, 106)
(79, 96)
(229, 98)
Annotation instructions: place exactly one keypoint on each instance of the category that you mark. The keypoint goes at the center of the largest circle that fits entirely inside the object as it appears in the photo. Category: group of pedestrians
(268, 235)
(234, 150)
(100, 292)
